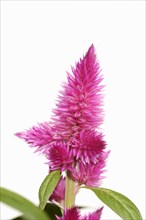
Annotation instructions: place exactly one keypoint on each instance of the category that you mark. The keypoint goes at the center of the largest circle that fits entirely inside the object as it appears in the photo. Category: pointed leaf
(50, 208)
(18, 202)
(119, 203)
(47, 187)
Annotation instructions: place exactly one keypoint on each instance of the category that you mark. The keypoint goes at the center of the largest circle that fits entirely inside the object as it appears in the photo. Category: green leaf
(51, 209)
(29, 210)
(119, 203)
(47, 187)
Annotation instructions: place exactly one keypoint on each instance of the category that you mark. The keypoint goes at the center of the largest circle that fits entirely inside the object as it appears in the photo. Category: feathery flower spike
(70, 137)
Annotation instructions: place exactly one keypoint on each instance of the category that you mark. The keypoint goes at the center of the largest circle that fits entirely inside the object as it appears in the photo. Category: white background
(40, 40)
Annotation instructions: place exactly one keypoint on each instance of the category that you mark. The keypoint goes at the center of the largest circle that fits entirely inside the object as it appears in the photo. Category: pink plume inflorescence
(72, 141)
(74, 214)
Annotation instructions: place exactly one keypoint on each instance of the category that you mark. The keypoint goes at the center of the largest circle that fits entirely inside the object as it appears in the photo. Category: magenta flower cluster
(72, 140)
(73, 214)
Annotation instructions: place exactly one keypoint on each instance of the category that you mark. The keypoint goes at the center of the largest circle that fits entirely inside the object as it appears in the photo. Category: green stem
(69, 192)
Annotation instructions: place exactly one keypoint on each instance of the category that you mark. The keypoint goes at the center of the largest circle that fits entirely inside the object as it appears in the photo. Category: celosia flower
(78, 107)
(59, 193)
(71, 140)
(74, 214)
(90, 174)
(71, 135)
